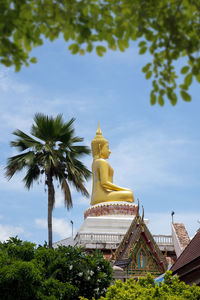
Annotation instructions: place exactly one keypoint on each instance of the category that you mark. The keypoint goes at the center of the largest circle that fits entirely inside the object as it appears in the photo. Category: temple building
(138, 253)
(113, 224)
(187, 266)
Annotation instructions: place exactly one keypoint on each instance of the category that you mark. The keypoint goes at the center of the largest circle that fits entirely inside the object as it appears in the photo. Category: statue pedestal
(111, 208)
(105, 225)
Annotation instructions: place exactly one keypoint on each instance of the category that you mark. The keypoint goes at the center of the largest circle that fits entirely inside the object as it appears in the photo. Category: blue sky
(155, 150)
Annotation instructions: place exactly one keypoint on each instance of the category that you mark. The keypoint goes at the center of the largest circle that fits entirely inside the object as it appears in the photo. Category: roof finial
(142, 213)
(138, 209)
(172, 214)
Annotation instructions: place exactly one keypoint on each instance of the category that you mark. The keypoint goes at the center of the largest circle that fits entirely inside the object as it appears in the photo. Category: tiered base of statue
(105, 225)
(111, 208)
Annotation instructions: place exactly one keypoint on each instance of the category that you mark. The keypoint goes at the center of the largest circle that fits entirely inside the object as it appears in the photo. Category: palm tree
(51, 151)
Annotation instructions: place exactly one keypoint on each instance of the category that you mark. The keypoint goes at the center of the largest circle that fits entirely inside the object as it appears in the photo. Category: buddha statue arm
(105, 181)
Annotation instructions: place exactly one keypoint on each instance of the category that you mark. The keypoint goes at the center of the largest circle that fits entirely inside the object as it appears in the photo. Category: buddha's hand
(128, 190)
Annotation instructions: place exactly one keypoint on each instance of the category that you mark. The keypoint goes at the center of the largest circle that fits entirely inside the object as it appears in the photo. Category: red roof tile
(191, 252)
(182, 234)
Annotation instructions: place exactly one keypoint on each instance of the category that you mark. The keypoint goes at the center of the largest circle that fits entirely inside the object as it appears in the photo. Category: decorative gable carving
(138, 253)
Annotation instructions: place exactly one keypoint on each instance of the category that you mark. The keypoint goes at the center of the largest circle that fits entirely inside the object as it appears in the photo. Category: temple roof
(65, 242)
(122, 263)
(137, 230)
(191, 252)
(181, 234)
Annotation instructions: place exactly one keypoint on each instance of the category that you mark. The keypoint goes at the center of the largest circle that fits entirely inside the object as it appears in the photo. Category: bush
(19, 280)
(27, 272)
(147, 289)
(54, 289)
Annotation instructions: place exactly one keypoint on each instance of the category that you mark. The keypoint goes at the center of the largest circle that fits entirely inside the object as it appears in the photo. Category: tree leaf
(146, 68)
(66, 36)
(148, 74)
(143, 50)
(183, 87)
(89, 48)
(173, 98)
(142, 44)
(121, 45)
(198, 77)
(185, 96)
(100, 50)
(188, 79)
(185, 69)
(74, 48)
(153, 99)
(161, 100)
(33, 60)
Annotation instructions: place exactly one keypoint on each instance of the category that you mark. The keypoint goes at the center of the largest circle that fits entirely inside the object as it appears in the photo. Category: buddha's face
(105, 151)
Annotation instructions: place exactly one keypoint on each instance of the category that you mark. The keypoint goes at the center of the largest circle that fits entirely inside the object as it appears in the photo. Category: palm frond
(67, 194)
(48, 128)
(81, 188)
(18, 162)
(66, 133)
(32, 175)
(80, 150)
(76, 166)
(77, 139)
(77, 181)
(77, 177)
(24, 141)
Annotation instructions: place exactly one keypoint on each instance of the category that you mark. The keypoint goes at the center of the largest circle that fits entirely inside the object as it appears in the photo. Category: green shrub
(29, 272)
(147, 289)
(54, 289)
(19, 280)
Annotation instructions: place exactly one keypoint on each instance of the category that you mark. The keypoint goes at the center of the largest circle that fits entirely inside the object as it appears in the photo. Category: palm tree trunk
(50, 207)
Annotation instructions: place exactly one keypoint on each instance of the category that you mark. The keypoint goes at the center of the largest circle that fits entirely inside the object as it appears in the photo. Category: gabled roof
(122, 246)
(65, 242)
(191, 252)
(181, 234)
(137, 230)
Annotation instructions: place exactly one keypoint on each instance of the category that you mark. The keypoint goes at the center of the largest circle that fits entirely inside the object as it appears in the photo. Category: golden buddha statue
(103, 189)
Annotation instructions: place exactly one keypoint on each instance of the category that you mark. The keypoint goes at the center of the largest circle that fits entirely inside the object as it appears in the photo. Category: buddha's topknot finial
(98, 132)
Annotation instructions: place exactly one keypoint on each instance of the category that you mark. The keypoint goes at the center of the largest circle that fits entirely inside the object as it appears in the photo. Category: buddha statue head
(99, 145)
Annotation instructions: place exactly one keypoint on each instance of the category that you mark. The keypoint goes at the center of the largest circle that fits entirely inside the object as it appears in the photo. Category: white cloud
(149, 158)
(41, 223)
(21, 115)
(81, 200)
(60, 226)
(7, 231)
(12, 122)
(7, 84)
(14, 183)
(59, 199)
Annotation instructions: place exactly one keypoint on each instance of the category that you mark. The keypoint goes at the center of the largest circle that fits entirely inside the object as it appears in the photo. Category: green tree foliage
(146, 288)
(52, 152)
(29, 272)
(168, 30)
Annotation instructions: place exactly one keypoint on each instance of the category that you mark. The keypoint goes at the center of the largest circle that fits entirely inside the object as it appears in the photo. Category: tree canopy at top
(167, 29)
